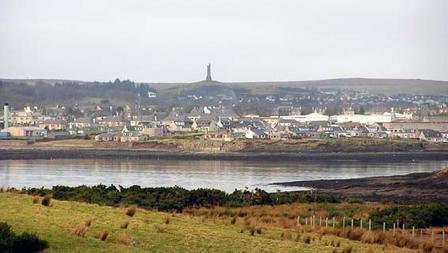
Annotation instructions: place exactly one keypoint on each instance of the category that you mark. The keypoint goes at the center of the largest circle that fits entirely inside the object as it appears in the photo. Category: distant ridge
(375, 85)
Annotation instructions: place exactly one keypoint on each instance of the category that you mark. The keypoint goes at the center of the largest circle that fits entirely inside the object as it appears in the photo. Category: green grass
(148, 231)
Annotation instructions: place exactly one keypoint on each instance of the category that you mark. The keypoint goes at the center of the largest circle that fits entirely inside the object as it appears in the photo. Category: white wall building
(363, 119)
(307, 118)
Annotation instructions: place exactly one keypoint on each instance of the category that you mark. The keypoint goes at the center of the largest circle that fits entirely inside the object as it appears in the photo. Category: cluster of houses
(222, 123)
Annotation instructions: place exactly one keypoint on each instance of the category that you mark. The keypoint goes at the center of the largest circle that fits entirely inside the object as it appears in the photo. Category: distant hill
(52, 91)
(379, 86)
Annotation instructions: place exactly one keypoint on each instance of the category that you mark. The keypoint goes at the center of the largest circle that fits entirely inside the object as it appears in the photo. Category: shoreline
(409, 188)
(158, 154)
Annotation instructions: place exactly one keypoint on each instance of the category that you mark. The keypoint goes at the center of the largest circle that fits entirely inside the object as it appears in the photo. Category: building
(111, 136)
(256, 133)
(306, 118)
(362, 119)
(54, 124)
(22, 131)
(113, 122)
(154, 131)
(431, 135)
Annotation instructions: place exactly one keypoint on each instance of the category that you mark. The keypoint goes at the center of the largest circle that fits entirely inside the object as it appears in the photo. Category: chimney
(6, 115)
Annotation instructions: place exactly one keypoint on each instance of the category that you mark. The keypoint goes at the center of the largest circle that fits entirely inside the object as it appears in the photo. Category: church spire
(209, 74)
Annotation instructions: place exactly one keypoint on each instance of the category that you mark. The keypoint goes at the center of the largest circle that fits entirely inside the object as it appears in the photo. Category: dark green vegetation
(69, 92)
(420, 216)
(23, 243)
(175, 198)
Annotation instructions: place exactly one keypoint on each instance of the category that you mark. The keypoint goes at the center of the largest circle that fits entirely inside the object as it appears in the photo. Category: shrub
(124, 225)
(25, 242)
(355, 234)
(35, 199)
(347, 249)
(103, 235)
(175, 198)
(167, 220)
(88, 222)
(419, 216)
(46, 200)
(252, 231)
(131, 211)
(80, 230)
(233, 220)
(307, 239)
(160, 229)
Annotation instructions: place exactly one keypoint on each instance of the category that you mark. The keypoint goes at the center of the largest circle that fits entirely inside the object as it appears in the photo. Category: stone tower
(209, 74)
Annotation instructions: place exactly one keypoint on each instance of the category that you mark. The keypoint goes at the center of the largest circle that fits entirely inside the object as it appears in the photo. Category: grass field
(151, 231)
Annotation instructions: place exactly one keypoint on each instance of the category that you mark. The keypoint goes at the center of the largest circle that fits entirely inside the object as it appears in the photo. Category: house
(404, 133)
(431, 135)
(132, 136)
(177, 122)
(113, 122)
(154, 131)
(287, 123)
(127, 129)
(331, 131)
(256, 133)
(375, 131)
(152, 94)
(205, 125)
(81, 123)
(54, 124)
(110, 136)
(144, 120)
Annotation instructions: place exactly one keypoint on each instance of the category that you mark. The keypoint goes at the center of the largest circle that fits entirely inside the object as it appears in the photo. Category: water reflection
(224, 175)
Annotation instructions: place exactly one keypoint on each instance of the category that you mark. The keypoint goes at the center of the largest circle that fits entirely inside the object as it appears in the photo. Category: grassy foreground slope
(148, 231)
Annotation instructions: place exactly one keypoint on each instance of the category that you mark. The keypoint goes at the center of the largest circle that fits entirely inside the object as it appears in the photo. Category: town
(211, 110)
(220, 121)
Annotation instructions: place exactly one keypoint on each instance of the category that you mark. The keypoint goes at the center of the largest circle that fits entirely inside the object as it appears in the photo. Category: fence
(436, 235)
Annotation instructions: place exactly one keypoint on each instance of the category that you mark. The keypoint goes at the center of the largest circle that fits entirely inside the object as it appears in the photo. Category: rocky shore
(411, 188)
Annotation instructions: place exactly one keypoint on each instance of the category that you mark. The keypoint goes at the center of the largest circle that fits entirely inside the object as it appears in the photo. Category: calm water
(224, 175)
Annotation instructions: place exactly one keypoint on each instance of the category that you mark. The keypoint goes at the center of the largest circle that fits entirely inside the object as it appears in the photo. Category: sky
(244, 40)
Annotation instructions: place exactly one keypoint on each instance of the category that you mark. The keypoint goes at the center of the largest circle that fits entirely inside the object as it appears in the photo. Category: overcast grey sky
(245, 40)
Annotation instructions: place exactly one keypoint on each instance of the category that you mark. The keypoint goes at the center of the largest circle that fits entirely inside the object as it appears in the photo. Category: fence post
(314, 221)
(306, 221)
(334, 222)
(360, 223)
(298, 220)
(432, 234)
(402, 230)
(343, 223)
(352, 224)
(326, 222)
(384, 227)
(320, 221)
(421, 233)
(413, 231)
(443, 237)
(370, 225)
(393, 230)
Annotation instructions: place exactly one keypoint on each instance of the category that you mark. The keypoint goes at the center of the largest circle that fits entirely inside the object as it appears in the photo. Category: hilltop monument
(209, 74)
